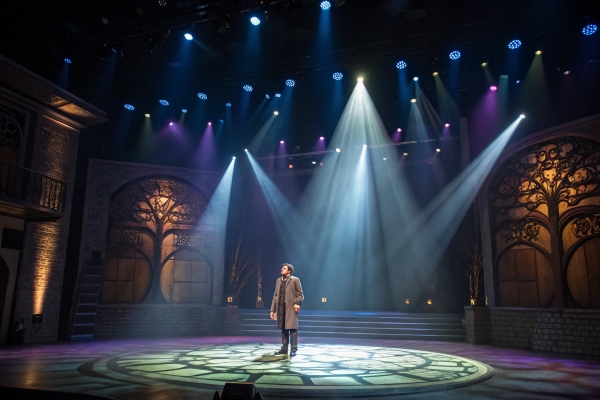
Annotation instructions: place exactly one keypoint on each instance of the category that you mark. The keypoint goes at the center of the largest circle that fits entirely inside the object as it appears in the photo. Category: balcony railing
(24, 184)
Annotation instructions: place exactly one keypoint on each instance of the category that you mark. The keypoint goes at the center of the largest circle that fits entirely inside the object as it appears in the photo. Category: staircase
(363, 325)
(89, 296)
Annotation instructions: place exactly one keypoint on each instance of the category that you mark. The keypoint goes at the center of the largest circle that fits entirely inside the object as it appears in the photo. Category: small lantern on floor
(429, 301)
(407, 301)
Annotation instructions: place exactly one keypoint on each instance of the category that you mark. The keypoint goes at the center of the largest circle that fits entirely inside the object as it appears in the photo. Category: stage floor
(193, 368)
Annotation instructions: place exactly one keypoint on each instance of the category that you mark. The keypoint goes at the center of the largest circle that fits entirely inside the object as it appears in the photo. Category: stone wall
(573, 331)
(164, 320)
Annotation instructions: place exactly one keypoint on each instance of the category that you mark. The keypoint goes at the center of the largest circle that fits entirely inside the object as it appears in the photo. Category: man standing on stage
(285, 307)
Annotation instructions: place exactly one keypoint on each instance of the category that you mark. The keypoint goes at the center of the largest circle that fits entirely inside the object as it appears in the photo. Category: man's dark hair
(290, 267)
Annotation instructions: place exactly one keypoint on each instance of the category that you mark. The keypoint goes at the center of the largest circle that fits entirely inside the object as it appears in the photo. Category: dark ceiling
(363, 37)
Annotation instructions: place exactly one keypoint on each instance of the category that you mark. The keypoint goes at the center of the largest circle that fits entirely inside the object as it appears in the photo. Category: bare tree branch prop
(470, 237)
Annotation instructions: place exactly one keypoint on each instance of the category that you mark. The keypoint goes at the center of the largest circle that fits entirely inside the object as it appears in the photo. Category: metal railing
(31, 186)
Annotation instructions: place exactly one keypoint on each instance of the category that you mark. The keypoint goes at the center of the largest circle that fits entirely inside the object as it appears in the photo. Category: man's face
(285, 271)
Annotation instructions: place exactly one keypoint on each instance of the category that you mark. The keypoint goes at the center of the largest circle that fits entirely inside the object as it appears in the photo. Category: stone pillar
(477, 324)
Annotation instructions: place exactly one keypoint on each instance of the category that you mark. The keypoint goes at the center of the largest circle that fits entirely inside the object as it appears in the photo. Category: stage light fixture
(170, 124)
(407, 301)
(517, 82)
(164, 102)
(221, 121)
(493, 88)
(129, 107)
(290, 83)
(435, 74)
(202, 96)
(338, 76)
(438, 150)
(484, 64)
(147, 115)
(233, 158)
(589, 29)
(514, 44)
(360, 79)
(413, 100)
(522, 116)
(210, 123)
(248, 88)
(399, 130)
(255, 21)
(314, 163)
(404, 154)
(337, 150)
(276, 113)
(384, 158)
(401, 65)
(567, 72)
(429, 302)
(416, 78)
(188, 36)
(183, 110)
(227, 104)
(538, 52)
(105, 21)
(246, 150)
(267, 96)
(447, 125)
(277, 95)
(291, 166)
(162, 3)
(321, 138)
(503, 76)
(281, 142)
(364, 146)
(325, 5)
(68, 60)
(454, 55)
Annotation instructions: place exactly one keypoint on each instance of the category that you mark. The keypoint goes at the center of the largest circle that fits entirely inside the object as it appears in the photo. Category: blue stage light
(129, 107)
(416, 78)
(277, 94)
(68, 60)
(202, 96)
(290, 83)
(514, 44)
(401, 65)
(338, 76)
(164, 102)
(325, 5)
(454, 55)
(248, 88)
(183, 110)
(188, 36)
(227, 104)
(255, 21)
(267, 96)
(221, 121)
(589, 29)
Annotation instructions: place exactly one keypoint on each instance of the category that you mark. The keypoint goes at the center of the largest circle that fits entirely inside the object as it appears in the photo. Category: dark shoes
(293, 354)
(280, 352)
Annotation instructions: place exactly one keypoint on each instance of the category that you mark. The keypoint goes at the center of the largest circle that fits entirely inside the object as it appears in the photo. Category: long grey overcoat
(293, 295)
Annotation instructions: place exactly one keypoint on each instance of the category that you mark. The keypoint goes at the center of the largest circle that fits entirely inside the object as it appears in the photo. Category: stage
(193, 368)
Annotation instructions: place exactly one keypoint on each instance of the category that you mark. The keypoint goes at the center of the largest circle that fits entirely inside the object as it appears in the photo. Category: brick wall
(571, 331)
(152, 320)
(39, 283)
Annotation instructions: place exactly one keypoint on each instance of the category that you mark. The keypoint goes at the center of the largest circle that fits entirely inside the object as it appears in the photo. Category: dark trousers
(286, 336)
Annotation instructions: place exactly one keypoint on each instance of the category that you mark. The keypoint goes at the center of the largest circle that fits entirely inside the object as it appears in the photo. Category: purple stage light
(281, 142)
(493, 88)
(321, 138)
(447, 125)
(170, 124)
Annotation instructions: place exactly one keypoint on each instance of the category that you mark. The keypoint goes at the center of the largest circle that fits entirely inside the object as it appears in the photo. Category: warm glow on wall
(41, 274)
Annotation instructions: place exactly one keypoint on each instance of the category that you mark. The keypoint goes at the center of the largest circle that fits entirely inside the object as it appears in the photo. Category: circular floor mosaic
(315, 371)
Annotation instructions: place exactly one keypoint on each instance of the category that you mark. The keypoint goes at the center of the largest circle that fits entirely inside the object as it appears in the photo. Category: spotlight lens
(438, 150)
(188, 36)
(129, 107)
(522, 116)
(248, 88)
(276, 113)
(234, 158)
(454, 55)
(147, 115)
(325, 5)
(227, 104)
(447, 125)
(267, 96)
(338, 76)
(504, 76)
(202, 96)
(360, 79)
(484, 64)
(321, 138)
(337, 150)
(281, 142)
(68, 60)
(364, 146)
(290, 83)
(413, 100)
(255, 21)
(164, 102)
(435, 74)
(401, 65)
(170, 124)
(416, 78)
(514, 44)
(277, 95)
(245, 149)
(589, 29)
(537, 53)
(517, 82)
(493, 88)
(183, 110)
(210, 123)
(399, 130)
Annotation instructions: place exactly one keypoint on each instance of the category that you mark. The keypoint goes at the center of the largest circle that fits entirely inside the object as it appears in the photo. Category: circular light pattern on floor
(317, 370)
